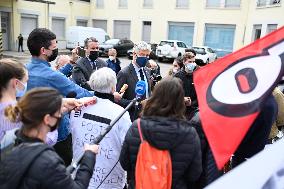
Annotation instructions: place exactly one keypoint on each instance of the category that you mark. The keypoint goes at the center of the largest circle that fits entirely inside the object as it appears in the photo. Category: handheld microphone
(123, 88)
(140, 90)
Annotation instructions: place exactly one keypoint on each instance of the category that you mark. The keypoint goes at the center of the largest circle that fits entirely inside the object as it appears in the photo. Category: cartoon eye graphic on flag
(247, 82)
(232, 90)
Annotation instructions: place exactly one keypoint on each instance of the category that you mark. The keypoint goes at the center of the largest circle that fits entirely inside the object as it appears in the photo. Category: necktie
(141, 75)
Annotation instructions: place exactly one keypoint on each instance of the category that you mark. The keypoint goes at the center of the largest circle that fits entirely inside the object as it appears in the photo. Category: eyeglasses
(190, 61)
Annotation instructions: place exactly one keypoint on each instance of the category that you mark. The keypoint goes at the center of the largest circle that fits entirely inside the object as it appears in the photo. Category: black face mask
(53, 128)
(53, 55)
(93, 55)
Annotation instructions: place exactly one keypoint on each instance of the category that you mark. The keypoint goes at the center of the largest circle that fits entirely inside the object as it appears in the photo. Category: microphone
(140, 90)
(123, 88)
(72, 94)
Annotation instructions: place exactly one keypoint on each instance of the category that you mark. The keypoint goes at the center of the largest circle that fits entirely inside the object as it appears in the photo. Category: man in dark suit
(133, 73)
(85, 66)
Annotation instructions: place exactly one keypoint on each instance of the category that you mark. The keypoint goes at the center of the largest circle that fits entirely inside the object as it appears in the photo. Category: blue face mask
(141, 61)
(20, 93)
(190, 67)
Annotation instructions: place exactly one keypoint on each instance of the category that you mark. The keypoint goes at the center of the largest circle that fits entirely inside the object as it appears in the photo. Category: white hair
(103, 80)
(142, 45)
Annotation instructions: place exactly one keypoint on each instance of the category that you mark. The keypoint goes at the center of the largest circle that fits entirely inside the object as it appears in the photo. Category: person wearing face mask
(85, 66)
(13, 83)
(43, 48)
(177, 65)
(40, 167)
(186, 75)
(131, 74)
(113, 62)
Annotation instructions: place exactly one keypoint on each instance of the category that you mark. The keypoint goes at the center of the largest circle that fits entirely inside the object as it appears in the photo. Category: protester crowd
(50, 116)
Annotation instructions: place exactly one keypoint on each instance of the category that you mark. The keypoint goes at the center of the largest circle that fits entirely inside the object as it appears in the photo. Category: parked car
(205, 53)
(222, 52)
(153, 52)
(170, 49)
(76, 35)
(121, 46)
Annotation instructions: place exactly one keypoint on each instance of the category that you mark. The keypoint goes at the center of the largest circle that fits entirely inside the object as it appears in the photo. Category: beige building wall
(160, 14)
(269, 14)
(164, 11)
(68, 10)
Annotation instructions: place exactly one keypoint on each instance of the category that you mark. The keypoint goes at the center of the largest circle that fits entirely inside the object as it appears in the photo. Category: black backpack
(17, 162)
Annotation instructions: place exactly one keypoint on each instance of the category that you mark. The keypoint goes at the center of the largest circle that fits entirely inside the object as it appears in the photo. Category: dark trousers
(20, 47)
(64, 149)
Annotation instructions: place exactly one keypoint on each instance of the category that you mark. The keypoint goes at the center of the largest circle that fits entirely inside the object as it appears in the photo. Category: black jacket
(257, 136)
(45, 170)
(83, 70)
(210, 171)
(177, 136)
(189, 90)
(128, 76)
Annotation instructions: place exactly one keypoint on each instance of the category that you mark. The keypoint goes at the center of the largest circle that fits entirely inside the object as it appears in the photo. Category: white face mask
(111, 58)
(21, 92)
(190, 67)
(175, 70)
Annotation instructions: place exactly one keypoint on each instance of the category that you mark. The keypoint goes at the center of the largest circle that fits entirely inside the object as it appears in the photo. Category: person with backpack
(167, 147)
(31, 163)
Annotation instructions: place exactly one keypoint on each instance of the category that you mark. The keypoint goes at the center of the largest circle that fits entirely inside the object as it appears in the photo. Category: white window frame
(268, 3)
(269, 27)
(123, 4)
(182, 7)
(223, 4)
(145, 5)
(81, 20)
(100, 4)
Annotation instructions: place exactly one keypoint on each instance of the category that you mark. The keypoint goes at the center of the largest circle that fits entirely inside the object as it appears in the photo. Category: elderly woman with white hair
(133, 73)
(89, 122)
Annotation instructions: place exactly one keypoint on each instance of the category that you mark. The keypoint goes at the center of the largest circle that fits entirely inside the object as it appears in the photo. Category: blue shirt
(42, 75)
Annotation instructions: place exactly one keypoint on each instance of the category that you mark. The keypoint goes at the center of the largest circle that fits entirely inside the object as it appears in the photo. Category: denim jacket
(42, 75)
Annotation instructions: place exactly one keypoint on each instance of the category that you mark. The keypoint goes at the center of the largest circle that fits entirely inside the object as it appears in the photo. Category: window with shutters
(58, 27)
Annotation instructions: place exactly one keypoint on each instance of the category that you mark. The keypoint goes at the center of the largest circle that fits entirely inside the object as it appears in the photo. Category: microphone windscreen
(140, 89)
(123, 88)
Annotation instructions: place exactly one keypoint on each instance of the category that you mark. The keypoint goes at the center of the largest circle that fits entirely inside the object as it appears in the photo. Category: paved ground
(25, 57)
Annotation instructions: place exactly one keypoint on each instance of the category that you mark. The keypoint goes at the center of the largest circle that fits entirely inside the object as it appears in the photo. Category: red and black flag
(231, 90)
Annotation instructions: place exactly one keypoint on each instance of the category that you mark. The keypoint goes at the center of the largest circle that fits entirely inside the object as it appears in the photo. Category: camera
(155, 76)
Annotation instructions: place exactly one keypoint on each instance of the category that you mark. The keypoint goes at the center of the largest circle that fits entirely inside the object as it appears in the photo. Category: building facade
(21, 16)
(225, 25)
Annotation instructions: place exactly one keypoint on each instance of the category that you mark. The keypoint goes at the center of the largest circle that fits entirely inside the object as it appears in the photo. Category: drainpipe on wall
(1, 40)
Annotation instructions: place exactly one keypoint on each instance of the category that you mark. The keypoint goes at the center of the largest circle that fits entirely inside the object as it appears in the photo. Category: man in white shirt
(89, 123)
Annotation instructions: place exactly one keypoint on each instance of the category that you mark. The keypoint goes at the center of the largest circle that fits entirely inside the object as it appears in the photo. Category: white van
(77, 34)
